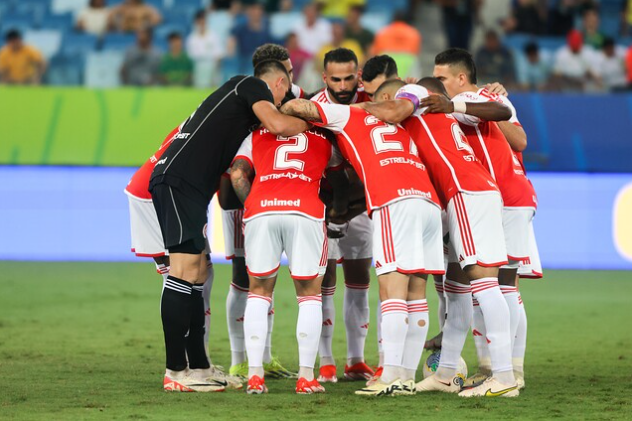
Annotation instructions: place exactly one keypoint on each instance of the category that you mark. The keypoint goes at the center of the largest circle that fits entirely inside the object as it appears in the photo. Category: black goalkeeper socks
(196, 349)
(176, 310)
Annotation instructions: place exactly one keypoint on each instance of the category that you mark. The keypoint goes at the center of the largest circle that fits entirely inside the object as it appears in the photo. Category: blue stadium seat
(281, 24)
(103, 69)
(19, 22)
(118, 42)
(162, 31)
(63, 22)
(47, 41)
(199, 4)
(221, 23)
(65, 70)
(35, 9)
(551, 43)
(78, 43)
(375, 21)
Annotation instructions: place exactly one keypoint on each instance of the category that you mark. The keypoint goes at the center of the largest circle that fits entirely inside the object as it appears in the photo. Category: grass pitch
(83, 341)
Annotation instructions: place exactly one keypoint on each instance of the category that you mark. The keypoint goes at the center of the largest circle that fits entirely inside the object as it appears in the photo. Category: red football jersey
(139, 183)
(323, 97)
(493, 150)
(382, 154)
(443, 147)
(288, 173)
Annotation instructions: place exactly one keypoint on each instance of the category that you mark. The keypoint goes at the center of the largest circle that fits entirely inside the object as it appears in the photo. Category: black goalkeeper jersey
(210, 138)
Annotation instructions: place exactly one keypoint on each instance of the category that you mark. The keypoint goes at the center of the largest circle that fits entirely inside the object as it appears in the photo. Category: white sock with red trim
(380, 351)
(206, 295)
(457, 324)
(394, 331)
(510, 294)
(356, 315)
(520, 343)
(438, 282)
(496, 315)
(480, 340)
(415, 337)
(235, 309)
(325, 350)
(267, 352)
(308, 330)
(255, 330)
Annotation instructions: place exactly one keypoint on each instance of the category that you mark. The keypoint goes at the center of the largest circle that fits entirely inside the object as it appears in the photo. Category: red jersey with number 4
(288, 173)
(493, 150)
(443, 147)
(139, 183)
(382, 154)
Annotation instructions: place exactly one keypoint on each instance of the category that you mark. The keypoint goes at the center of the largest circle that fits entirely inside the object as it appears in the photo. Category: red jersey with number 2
(288, 173)
(139, 183)
(493, 150)
(382, 154)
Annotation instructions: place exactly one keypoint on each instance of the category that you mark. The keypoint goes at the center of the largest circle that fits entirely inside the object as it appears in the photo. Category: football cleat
(519, 380)
(187, 383)
(307, 387)
(216, 372)
(275, 370)
(381, 389)
(491, 388)
(327, 374)
(358, 371)
(239, 370)
(475, 380)
(407, 388)
(433, 384)
(376, 376)
(256, 386)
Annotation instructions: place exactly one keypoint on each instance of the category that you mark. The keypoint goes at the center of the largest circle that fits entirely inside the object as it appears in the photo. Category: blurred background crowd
(529, 45)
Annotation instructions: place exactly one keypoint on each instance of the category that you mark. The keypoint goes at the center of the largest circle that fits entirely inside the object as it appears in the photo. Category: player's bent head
(376, 71)
(433, 85)
(388, 89)
(272, 52)
(455, 68)
(274, 73)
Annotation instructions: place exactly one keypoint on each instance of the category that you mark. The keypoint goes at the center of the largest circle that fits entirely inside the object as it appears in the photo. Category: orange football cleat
(307, 387)
(327, 374)
(358, 371)
(256, 386)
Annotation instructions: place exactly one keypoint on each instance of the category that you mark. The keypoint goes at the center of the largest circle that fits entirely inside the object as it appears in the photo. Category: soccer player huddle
(416, 179)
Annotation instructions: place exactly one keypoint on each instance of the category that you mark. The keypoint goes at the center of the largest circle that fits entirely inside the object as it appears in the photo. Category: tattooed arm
(302, 108)
(240, 174)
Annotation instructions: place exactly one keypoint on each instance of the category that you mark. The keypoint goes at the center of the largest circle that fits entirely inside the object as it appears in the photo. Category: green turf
(83, 341)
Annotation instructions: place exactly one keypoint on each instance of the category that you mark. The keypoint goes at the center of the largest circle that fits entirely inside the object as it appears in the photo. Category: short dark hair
(270, 66)
(174, 35)
(200, 14)
(433, 85)
(12, 35)
(531, 48)
(379, 65)
(458, 57)
(340, 55)
(608, 42)
(269, 52)
(393, 83)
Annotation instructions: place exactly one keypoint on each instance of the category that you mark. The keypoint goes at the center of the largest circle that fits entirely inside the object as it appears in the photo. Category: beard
(343, 97)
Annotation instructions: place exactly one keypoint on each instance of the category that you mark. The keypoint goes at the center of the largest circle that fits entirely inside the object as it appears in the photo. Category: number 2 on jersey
(298, 145)
(378, 134)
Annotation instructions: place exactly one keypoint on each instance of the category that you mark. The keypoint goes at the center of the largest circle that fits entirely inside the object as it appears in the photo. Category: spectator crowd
(540, 45)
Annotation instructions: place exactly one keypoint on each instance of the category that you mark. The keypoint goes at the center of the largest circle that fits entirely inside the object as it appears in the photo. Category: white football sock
(206, 295)
(356, 316)
(308, 327)
(255, 330)
(520, 343)
(325, 350)
(235, 309)
(496, 315)
(457, 324)
(380, 351)
(267, 352)
(415, 337)
(394, 331)
(510, 294)
(438, 282)
(480, 340)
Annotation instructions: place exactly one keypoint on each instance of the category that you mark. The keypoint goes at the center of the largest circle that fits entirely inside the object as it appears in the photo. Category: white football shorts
(232, 222)
(357, 242)
(475, 223)
(146, 235)
(407, 238)
(533, 267)
(304, 241)
(516, 222)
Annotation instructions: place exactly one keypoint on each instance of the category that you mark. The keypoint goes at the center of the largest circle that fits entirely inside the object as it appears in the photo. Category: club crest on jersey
(276, 202)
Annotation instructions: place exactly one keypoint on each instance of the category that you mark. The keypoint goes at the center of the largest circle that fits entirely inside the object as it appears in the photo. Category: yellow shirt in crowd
(20, 66)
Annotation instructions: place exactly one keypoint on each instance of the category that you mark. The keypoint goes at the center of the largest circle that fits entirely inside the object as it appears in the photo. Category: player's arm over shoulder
(302, 108)
(512, 129)
(276, 122)
(471, 108)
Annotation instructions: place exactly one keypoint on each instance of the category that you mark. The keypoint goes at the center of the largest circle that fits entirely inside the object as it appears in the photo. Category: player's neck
(470, 88)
